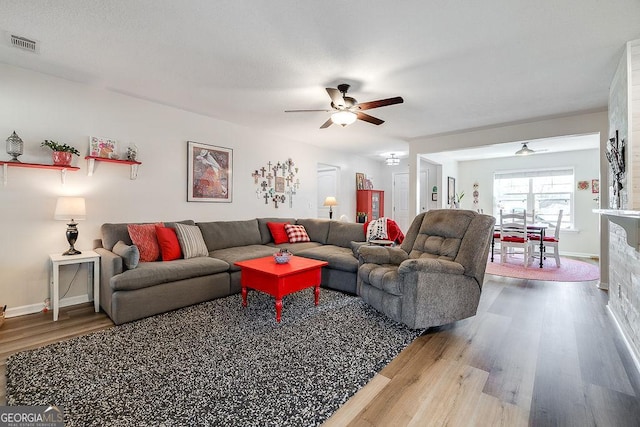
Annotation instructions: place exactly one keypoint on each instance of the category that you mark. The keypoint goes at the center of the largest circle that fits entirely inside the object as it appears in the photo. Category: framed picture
(595, 186)
(209, 173)
(359, 181)
(434, 197)
(103, 147)
(583, 185)
(451, 190)
(279, 186)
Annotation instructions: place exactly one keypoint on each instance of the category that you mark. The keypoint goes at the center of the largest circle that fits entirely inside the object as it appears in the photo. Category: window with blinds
(544, 191)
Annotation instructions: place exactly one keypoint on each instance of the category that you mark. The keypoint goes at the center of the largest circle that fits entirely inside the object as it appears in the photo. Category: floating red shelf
(92, 159)
(63, 169)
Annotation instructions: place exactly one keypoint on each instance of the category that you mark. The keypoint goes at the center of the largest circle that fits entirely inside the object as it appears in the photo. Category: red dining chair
(513, 234)
(549, 241)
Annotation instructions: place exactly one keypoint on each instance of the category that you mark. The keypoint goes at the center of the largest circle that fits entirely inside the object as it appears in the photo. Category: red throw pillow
(169, 245)
(296, 233)
(144, 237)
(278, 232)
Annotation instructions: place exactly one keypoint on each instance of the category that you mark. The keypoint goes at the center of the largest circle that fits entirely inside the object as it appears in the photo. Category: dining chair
(513, 234)
(549, 241)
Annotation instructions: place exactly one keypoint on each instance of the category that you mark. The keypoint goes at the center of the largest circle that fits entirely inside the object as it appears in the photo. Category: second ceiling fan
(347, 110)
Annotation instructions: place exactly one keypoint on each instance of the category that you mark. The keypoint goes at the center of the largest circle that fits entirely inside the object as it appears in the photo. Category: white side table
(94, 277)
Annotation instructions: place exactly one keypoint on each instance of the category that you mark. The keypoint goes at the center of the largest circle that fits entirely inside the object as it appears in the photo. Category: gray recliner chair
(435, 277)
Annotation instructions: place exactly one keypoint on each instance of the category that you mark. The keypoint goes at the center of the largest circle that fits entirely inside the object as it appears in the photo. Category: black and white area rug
(214, 364)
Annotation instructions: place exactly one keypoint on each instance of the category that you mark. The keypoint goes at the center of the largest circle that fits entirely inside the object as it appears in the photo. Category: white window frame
(530, 196)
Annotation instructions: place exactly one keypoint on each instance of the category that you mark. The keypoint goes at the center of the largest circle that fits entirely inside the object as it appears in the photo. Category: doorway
(401, 200)
(328, 184)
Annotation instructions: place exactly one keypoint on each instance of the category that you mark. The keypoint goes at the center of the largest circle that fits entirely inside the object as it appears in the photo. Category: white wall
(585, 241)
(42, 107)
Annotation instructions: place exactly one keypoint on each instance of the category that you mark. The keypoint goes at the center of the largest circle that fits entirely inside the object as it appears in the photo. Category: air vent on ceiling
(24, 43)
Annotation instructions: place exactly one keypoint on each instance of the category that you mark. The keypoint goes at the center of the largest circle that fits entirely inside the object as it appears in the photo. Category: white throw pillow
(191, 241)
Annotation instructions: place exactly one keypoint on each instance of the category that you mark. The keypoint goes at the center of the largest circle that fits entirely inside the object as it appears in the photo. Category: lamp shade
(70, 208)
(343, 118)
(330, 201)
(524, 151)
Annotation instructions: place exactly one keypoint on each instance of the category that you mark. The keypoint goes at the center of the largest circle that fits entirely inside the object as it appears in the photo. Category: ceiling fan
(347, 110)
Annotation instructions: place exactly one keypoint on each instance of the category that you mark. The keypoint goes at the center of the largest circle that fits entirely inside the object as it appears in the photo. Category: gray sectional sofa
(156, 287)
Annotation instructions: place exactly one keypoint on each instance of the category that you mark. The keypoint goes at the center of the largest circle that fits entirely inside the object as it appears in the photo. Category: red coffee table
(278, 280)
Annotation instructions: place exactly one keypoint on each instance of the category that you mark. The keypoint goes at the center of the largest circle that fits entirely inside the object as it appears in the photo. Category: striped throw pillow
(191, 241)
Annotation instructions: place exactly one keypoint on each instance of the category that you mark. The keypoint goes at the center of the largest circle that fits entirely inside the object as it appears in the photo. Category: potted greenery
(62, 153)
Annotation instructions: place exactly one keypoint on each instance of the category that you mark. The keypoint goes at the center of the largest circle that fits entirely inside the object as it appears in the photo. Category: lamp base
(72, 236)
(72, 251)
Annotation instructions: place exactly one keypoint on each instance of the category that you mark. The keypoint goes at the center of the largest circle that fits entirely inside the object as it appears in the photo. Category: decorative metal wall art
(277, 182)
(615, 156)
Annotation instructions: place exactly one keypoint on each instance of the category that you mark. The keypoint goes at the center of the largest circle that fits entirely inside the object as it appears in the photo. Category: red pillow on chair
(278, 232)
(169, 245)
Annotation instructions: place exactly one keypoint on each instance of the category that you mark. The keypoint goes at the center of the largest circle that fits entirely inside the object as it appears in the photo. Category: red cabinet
(370, 203)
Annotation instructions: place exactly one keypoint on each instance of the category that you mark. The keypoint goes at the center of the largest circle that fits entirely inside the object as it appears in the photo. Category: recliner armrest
(382, 255)
(430, 265)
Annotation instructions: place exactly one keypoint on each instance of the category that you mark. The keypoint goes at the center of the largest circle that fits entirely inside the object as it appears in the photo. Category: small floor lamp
(71, 209)
(331, 202)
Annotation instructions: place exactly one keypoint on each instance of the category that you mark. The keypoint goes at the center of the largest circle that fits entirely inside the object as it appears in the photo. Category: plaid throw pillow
(296, 233)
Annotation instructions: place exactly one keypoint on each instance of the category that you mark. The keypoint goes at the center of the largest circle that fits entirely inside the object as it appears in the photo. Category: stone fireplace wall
(624, 285)
(624, 260)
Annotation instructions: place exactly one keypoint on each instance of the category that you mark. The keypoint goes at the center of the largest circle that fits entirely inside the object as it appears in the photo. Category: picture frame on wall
(279, 184)
(451, 190)
(434, 197)
(595, 186)
(209, 173)
(103, 147)
(359, 181)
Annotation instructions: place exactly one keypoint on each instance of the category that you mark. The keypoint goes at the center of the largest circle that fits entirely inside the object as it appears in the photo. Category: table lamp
(330, 201)
(71, 209)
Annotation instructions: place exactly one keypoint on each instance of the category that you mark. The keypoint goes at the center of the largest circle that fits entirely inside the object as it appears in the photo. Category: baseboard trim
(635, 353)
(37, 308)
(579, 255)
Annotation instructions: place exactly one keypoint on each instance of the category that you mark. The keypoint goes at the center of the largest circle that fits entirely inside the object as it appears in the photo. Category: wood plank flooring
(537, 353)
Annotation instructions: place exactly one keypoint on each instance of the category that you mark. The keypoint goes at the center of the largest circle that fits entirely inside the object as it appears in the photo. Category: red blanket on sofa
(393, 232)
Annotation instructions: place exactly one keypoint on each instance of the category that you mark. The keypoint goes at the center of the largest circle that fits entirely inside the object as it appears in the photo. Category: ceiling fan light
(343, 118)
(392, 161)
(524, 151)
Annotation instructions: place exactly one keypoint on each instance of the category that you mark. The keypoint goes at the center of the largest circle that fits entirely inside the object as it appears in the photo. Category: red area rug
(570, 270)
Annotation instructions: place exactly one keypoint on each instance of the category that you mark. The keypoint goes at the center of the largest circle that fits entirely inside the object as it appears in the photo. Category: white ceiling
(539, 146)
(458, 64)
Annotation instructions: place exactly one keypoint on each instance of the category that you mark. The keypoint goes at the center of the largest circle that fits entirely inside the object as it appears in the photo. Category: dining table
(532, 229)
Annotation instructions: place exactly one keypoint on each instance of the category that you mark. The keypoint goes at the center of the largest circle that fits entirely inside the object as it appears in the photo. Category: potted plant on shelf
(62, 153)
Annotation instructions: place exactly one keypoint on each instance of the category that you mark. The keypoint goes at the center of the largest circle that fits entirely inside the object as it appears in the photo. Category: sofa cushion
(112, 233)
(229, 234)
(242, 253)
(296, 233)
(144, 237)
(317, 229)
(168, 242)
(151, 274)
(339, 258)
(191, 241)
(343, 233)
(278, 233)
(265, 234)
(129, 253)
(294, 248)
